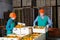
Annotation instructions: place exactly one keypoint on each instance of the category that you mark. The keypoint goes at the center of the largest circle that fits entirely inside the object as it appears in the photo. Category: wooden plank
(19, 14)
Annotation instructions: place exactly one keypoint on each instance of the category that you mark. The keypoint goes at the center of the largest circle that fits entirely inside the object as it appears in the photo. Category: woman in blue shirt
(11, 23)
(43, 20)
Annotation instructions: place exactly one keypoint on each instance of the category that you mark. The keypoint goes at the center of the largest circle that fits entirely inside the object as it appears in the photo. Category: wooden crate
(26, 2)
(40, 3)
(48, 11)
(53, 2)
(28, 16)
(18, 12)
(16, 3)
(47, 2)
(25, 15)
(58, 2)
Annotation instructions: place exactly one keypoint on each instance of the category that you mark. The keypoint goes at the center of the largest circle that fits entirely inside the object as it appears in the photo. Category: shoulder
(47, 17)
(10, 20)
(38, 16)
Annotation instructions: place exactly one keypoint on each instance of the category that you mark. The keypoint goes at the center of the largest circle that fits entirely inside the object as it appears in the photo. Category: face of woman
(42, 14)
(14, 18)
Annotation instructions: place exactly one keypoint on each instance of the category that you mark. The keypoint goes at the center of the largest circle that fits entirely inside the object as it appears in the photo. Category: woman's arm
(35, 21)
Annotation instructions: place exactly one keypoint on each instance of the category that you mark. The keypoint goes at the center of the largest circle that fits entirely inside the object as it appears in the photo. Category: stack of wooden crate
(24, 15)
(38, 3)
(18, 12)
(23, 3)
(25, 9)
(28, 16)
(43, 3)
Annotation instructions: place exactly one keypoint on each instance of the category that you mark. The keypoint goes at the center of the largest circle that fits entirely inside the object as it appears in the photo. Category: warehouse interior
(27, 11)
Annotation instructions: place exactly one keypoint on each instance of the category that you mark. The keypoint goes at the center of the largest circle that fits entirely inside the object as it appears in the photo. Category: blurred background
(27, 10)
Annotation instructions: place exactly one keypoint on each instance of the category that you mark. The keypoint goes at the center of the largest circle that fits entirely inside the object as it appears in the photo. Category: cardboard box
(39, 30)
(21, 31)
